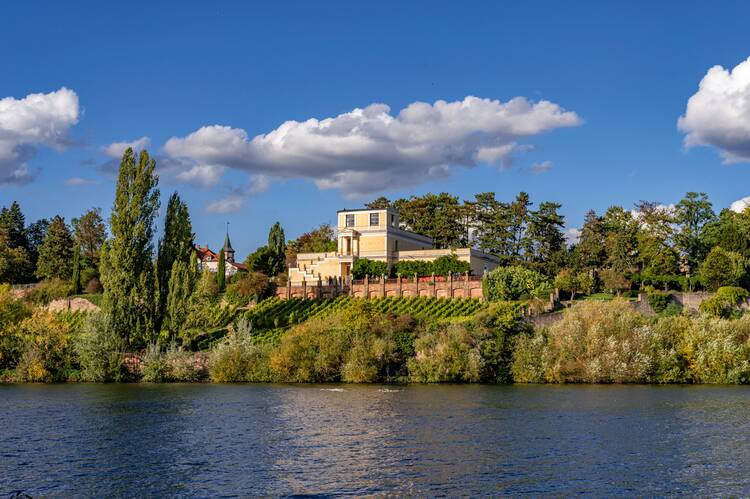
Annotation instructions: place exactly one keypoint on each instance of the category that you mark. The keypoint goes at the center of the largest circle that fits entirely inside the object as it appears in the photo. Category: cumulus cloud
(572, 235)
(718, 114)
(28, 123)
(740, 205)
(541, 167)
(116, 149)
(371, 149)
(203, 175)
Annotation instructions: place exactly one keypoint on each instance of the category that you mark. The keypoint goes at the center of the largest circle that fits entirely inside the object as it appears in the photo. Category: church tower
(227, 249)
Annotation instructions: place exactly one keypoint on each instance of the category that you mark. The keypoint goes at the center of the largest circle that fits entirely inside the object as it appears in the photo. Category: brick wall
(462, 286)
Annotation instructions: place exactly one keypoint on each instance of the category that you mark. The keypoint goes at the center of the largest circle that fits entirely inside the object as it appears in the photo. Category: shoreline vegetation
(145, 313)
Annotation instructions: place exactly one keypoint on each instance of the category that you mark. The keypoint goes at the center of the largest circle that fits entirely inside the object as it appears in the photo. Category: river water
(459, 440)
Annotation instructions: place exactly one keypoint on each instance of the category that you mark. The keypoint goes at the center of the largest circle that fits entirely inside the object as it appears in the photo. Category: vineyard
(272, 316)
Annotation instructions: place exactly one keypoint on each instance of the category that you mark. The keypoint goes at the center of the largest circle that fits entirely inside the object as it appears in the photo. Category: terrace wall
(459, 286)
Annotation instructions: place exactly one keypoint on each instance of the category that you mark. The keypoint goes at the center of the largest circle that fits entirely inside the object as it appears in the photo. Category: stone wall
(462, 286)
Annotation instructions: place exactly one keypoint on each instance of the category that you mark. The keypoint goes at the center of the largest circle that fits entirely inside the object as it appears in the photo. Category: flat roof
(367, 209)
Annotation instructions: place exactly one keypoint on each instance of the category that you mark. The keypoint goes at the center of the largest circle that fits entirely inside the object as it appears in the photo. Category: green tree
(12, 222)
(15, 264)
(181, 283)
(590, 252)
(434, 215)
(692, 214)
(546, 242)
(731, 231)
(176, 245)
(90, 233)
(620, 239)
(76, 279)
(514, 283)
(724, 268)
(56, 252)
(319, 240)
(126, 268)
(221, 269)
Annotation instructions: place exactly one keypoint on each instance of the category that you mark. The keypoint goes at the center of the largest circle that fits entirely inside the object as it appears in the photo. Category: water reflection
(250, 440)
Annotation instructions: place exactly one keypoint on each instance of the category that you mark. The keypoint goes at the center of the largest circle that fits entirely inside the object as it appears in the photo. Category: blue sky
(151, 69)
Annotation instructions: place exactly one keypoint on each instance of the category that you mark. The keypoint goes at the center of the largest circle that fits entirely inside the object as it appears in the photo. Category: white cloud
(116, 149)
(33, 121)
(740, 205)
(572, 235)
(718, 114)
(232, 202)
(203, 175)
(236, 198)
(368, 150)
(541, 167)
(73, 181)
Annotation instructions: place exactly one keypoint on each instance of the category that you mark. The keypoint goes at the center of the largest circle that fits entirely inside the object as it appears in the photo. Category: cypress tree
(221, 272)
(176, 245)
(277, 245)
(76, 280)
(127, 272)
(178, 301)
(56, 252)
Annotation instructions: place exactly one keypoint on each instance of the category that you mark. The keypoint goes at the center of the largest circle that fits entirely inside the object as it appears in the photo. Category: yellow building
(376, 235)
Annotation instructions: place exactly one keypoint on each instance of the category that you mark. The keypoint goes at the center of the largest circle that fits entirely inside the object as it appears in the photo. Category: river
(205, 440)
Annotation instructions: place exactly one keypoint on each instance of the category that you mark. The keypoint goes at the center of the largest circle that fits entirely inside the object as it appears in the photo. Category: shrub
(252, 285)
(449, 264)
(407, 268)
(236, 359)
(668, 362)
(447, 354)
(595, 342)
(100, 350)
(725, 303)
(12, 312)
(658, 300)
(514, 283)
(718, 350)
(47, 291)
(47, 354)
(372, 268)
(154, 366)
(173, 364)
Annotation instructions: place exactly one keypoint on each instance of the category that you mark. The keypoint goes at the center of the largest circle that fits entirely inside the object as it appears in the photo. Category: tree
(76, 279)
(434, 215)
(253, 285)
(221, 269)
(590, 253)
(614, 281)
(90, 233)
(56, 252)
(731, 231)
(270, 259)
(319, 240)
(181, 282)
(35, 234)
(724, 268)
(176, 245)
(449, 264)
(620, 239)
(12, 222)
(378, 204)
(514, 283)
(126, 269)
(546, 242)
(15, 264)
(692, 214)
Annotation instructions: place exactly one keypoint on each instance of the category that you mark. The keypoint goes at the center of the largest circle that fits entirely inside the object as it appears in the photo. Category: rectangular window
(374, 219)
(350, 220)
(393, 220)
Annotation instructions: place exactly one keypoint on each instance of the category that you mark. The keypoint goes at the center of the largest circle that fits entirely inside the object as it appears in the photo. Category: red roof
(204, 253)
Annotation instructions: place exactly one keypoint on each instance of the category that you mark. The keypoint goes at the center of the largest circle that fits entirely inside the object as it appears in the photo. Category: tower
(227, 249)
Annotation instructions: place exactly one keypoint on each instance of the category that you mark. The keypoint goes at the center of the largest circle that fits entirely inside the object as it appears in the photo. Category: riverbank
(593, 342)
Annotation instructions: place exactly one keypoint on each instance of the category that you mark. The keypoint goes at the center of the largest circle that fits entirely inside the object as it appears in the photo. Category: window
(374, 219)
(350, 220)
(395, 245)
(393, 220)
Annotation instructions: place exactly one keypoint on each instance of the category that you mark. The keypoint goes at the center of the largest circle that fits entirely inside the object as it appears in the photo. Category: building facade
(377, 235)
(209, 260)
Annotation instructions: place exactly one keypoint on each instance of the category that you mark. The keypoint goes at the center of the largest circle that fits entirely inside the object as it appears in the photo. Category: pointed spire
(227, 242)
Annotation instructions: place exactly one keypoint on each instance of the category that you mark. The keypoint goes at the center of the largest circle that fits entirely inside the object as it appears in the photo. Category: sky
(290, 111)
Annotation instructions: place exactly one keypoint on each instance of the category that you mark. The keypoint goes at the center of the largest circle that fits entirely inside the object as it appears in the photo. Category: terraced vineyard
(276, 313)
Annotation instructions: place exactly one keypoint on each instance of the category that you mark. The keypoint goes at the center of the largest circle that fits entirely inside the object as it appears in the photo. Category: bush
(47, 291)
(614, 281)
(47, 354)
(595, 342)
(100, 350)
(515, 283)
(408, 268)
(237, 359)
(718, 350)
(449, 264)
(658, 300)
(174, 365)
(252, 285)
(725, 303)
(372, 268)
(12, 312)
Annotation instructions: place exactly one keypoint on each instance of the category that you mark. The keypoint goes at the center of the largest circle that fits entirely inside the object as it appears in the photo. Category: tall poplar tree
(127, 272)
(221, 279)
(76, 279)
(176, 245)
